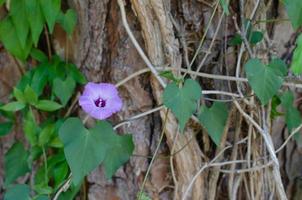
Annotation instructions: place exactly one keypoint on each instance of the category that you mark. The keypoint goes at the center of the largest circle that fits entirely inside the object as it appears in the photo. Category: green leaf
(294, 12)
(2, 2)
(143, 196)
(274, 111)
(25, 80)
(38, 55)
(170, 76)
(5, 128)
(30, 95)
(224, 6)
(19, 18)
(68, 21)
(118, 148)
(64, 89)
(292, 115)
(57, 170)
(182, 101)
(278, 66)
(18, 94)
(41, 178)
(13, 106)
(71, 193)
(18, 192)
(236, 40)
(46, 134)
(35, 153)
(15, 163)
(39, 79)
(35, 19)
(41, 197)
(30, 128)
(47, 105)
(264, 80)
(60, 172)
(296, 65)
(84, 151)
(9, 38)
(56, 143)
(214, 120)
(51, 10)
(75, 73)
(43, 189)
(256, 36)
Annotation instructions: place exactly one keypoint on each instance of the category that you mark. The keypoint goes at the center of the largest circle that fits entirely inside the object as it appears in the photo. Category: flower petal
(91, 90)
(101, 113)
(106, 92)
(87, 104)
(114, 104)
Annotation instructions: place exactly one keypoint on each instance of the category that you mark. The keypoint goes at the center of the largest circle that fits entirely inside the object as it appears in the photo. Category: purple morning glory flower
(100, 100)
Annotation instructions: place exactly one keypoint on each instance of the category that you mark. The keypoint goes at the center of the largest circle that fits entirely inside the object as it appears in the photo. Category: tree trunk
(169, 32)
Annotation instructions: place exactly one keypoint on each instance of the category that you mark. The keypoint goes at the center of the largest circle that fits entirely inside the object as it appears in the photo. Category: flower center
(100, 102)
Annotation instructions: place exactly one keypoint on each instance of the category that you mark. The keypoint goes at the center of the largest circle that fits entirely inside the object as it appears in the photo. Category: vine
(62, 151)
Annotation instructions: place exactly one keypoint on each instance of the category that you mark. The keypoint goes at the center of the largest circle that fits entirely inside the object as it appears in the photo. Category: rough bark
(169, 32)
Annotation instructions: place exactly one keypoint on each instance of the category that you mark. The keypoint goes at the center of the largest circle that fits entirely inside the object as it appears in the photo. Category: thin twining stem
(251, 169)
(128, 121)
(136, 44)
(138, 116)
(270, 147)
(204, 35)
(64, 187)
(201, 64)
(205, 166)
(154, 156)
(289, 137)
(201, 74)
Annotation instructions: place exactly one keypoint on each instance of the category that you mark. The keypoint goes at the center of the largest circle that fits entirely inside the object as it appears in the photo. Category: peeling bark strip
(104, 51)
(163, 48)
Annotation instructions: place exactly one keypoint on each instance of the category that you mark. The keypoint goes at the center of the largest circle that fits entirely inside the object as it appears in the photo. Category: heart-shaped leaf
(68, 21)
(84, 151)
(279, 67)
(50, 10)
(19, 18)
(264, 80)
(75, 73)
(15, 163)
(35, 19)
(118, 148)
(182, 101)
(63, 89)
(9, 38)
(214, 119)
